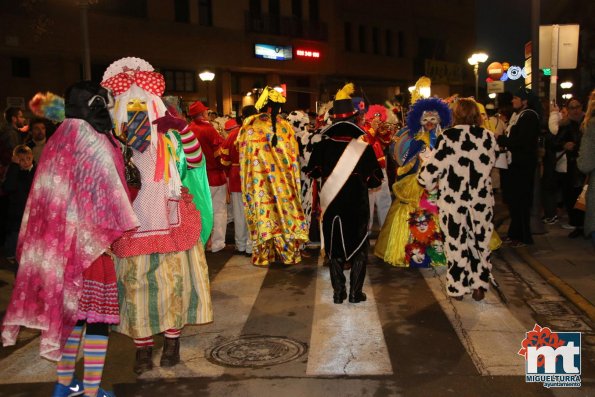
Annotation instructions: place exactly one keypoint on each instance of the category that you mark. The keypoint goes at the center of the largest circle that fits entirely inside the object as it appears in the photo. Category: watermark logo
(552, 358)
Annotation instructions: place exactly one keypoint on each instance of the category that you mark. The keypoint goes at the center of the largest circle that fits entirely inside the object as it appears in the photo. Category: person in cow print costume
(460, 169)
(299, 121)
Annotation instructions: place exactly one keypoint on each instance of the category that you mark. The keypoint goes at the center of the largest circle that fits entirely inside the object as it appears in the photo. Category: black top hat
(342, 109)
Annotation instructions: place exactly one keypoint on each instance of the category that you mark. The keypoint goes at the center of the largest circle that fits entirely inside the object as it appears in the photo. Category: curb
(564, 288)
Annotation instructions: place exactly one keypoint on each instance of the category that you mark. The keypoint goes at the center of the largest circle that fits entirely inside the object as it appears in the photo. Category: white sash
(347, 162)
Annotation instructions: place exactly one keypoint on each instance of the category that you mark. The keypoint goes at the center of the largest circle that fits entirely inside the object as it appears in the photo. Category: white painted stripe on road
(488, 330)
(234, 291)
(26, 366)
(346, 339)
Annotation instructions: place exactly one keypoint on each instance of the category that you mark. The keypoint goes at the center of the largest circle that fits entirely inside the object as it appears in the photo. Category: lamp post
(207, 77)
(84, 7)
(475, 60)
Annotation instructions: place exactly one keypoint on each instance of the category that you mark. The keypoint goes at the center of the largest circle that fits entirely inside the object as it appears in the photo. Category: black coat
(17, 185)
(522, 144)
(345, 222)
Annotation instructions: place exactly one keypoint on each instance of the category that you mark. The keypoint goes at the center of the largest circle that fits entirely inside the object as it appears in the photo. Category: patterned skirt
(162, 291)
(99, 300)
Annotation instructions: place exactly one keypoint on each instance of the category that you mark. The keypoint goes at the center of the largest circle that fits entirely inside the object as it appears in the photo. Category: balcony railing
(285, 26)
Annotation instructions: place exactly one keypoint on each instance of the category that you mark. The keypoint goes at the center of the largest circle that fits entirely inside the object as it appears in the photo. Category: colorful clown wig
(416, 255)
(48, 105)
(376, 111)
(427, 105)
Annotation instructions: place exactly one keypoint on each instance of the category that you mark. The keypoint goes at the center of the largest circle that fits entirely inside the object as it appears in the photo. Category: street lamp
(475, 60)
(566, 85)
(207, 77)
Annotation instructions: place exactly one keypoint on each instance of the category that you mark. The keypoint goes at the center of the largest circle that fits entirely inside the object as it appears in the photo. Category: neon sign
(305, 53)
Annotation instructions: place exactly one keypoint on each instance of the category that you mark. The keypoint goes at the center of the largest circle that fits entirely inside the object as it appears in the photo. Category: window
(275, 12)
(274, 7)
(389, 43)
(182, 10)
(21, 67)
(128, 8)
(255, 7)
(362, 38)
(314, 11)
(348, 37)
(401, 48)
(375, 41)
(296, 8)
(179, 80)
(205, 13)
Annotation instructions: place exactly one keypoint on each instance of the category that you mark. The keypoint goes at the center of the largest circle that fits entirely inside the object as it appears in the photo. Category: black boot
(144, 360)
(357, 276)
(171, 352)
(338, 280)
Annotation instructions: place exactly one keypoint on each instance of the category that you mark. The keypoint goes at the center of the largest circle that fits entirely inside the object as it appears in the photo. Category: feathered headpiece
(345, 92)
(269, 95)
(48, 105)
(342, 105)
(422, 83)
(423, 105)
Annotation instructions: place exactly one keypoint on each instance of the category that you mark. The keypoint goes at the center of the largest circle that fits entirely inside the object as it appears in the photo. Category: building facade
(383, 47)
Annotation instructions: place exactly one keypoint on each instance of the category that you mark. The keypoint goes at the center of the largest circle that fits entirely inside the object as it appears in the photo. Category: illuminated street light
(492, 95)
(475, 60)
(566, 85)
(425, 92)
(207, 77)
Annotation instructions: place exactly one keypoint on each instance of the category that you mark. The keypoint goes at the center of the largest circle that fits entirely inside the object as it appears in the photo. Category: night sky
(503, 28)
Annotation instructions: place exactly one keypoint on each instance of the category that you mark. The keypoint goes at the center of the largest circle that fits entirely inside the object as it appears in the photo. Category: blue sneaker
(103, 393)
(75, 388)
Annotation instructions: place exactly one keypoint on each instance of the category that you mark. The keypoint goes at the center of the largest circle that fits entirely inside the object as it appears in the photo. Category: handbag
(581, 200)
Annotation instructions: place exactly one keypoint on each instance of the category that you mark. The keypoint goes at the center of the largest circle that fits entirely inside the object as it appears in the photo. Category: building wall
(48, 35)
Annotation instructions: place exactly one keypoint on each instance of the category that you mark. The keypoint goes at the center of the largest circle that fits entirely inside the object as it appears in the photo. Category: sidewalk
(568, 264)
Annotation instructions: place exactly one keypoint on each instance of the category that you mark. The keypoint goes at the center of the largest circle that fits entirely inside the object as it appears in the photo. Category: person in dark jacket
(568, 142)
(520, 141)
(344, 195)
(17, 184)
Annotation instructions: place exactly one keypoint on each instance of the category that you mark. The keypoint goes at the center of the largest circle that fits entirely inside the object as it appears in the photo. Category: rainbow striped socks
(95, 348)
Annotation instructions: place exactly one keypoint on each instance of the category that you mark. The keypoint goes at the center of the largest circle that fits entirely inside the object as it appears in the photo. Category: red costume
(210, 141)
(375, 142)
(230, 157)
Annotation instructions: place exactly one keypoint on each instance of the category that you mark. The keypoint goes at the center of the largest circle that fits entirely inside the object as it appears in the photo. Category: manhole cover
(257, 351)
(550, 308)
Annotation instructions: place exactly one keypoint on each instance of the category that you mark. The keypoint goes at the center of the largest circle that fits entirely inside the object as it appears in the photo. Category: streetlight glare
(425, 92)
(206, 76)
(566, 85)
(475, 60)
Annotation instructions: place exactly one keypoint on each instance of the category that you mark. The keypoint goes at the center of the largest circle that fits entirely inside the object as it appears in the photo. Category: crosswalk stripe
(488, 330)
(346, 339)
(234, 291)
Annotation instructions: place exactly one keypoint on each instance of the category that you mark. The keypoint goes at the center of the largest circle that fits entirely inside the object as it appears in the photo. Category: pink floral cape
(78, 205)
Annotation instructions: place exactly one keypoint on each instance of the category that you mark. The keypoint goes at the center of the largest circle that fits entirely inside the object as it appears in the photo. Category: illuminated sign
(305, 53)
(274, 52)
(547, 72)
